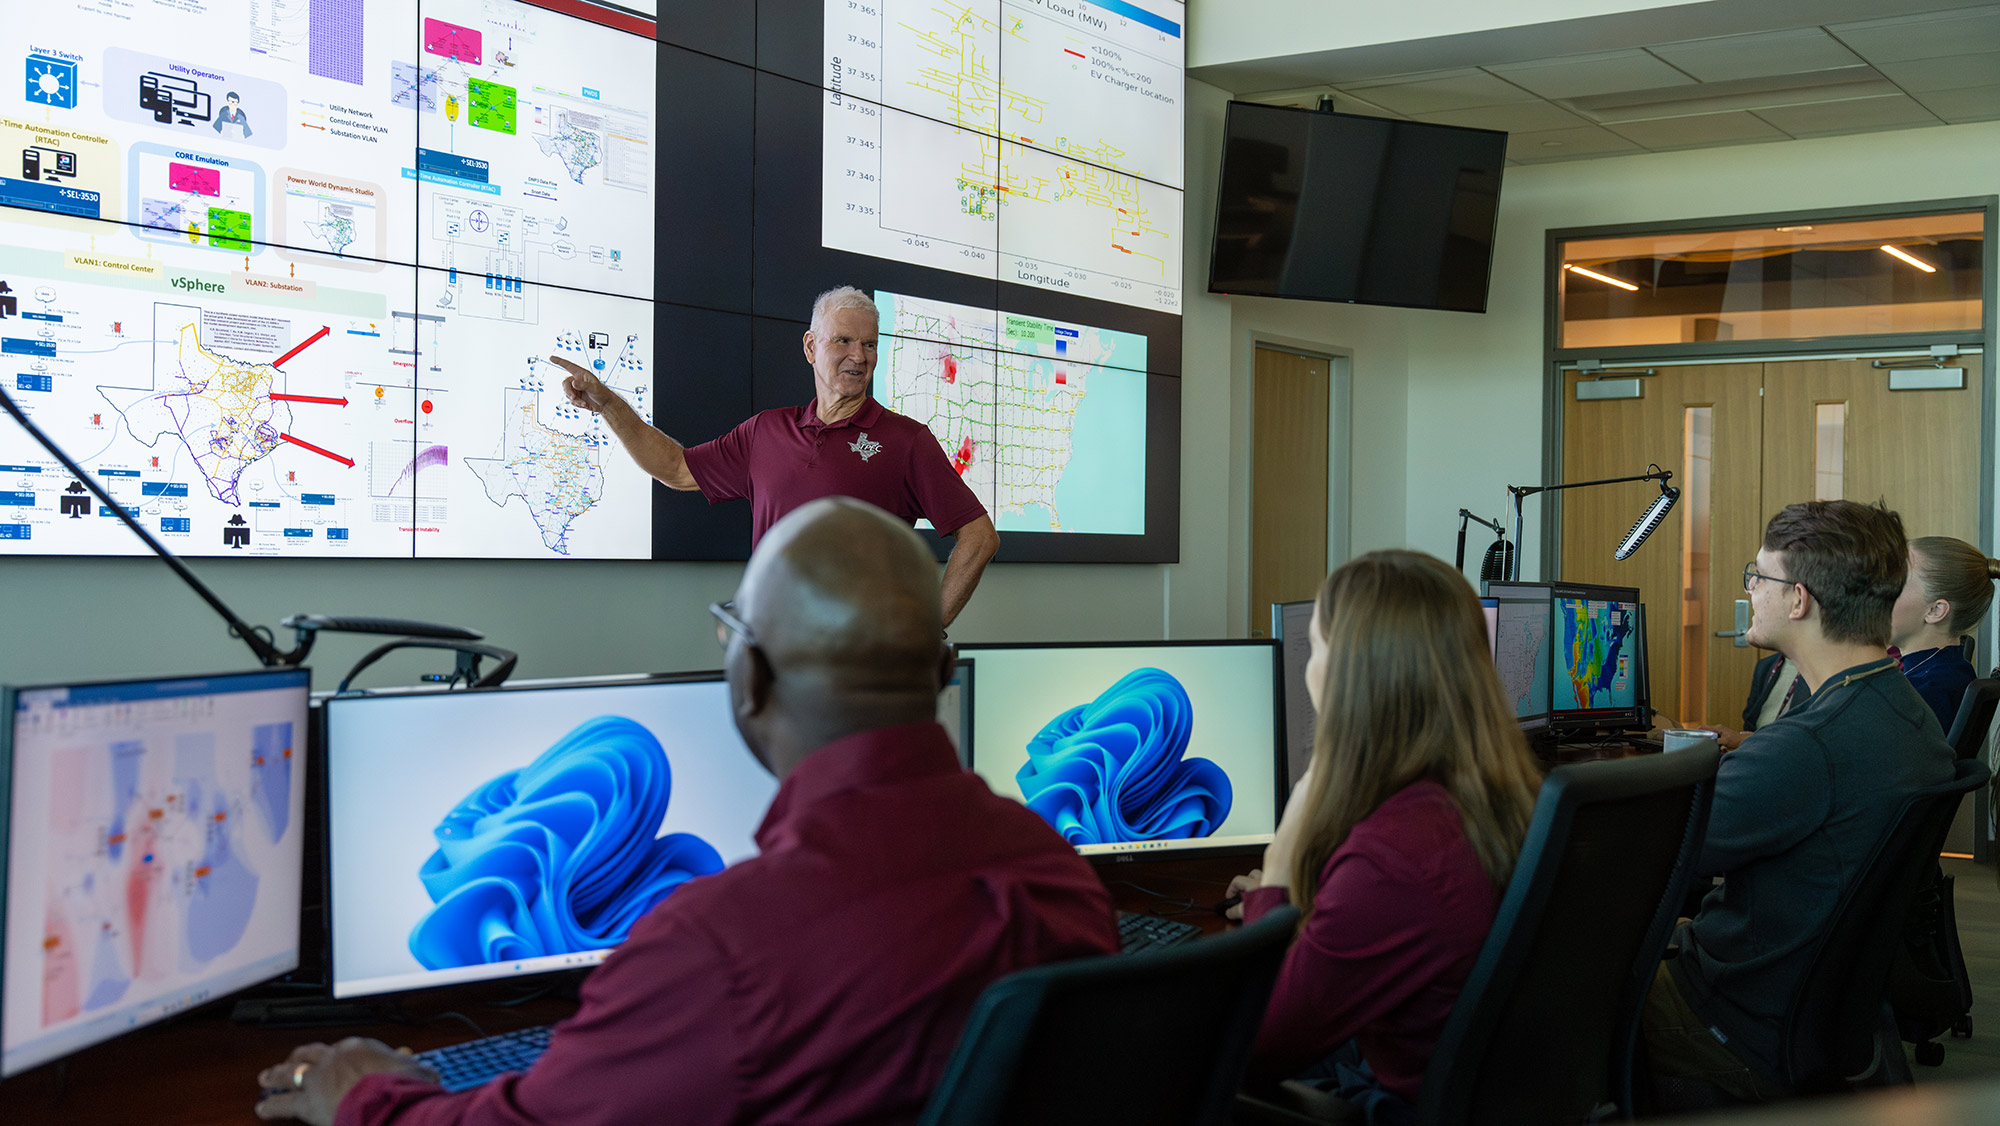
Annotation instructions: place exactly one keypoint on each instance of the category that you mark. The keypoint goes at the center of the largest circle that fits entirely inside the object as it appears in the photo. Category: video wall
(285, 276)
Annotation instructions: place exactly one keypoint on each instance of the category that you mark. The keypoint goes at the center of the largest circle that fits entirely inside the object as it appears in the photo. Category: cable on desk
(458, 1016)
(1178, 904)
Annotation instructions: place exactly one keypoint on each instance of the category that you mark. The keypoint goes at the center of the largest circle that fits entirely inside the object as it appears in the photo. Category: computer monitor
(153, 833)
(457, 821)
(1599, 672)
(954, 710)
(1291, 625)
(1128, 749)
(1522, 652)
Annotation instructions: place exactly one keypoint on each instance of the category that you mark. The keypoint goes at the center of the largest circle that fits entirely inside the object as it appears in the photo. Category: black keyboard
(1150, 932)
(464, 1066)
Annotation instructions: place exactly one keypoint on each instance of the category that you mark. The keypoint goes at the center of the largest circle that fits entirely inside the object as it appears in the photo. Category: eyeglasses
(1751, 574)
(726, 623)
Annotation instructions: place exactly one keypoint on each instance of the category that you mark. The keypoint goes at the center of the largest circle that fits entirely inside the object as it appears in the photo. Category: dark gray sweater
(1798, 808)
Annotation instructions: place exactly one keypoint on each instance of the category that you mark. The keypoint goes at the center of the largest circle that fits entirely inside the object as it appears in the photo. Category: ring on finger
(299, 1076)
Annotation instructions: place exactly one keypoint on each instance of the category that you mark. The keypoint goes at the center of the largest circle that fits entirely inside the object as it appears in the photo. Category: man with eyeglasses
(843, 443)
(826, 979)
(1802, 802)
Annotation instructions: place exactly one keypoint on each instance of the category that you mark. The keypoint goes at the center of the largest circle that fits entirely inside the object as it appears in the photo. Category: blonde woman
(1947, 593)
(1399, 839)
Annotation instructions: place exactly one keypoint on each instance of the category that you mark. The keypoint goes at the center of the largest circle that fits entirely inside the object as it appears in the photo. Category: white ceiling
(1858, 76)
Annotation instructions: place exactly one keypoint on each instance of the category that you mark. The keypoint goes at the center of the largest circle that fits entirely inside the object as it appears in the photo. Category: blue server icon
(51, 82)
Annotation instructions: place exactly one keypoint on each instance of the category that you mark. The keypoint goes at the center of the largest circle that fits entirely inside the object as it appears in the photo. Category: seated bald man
(827, 979)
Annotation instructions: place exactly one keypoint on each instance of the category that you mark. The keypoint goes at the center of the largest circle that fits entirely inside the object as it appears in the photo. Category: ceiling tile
(1953, 72)
(1935, 35)
(1527, 117)
(1980, 103)
(1580, 76)
(1566, 144)
(1757, 56)
(1460, 89)
(1695, 132)
(1858, 116)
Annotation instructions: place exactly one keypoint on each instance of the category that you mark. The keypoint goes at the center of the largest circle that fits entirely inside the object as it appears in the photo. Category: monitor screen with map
(1599, 670)
(291, 291)
(1519, 613)
(154, 851)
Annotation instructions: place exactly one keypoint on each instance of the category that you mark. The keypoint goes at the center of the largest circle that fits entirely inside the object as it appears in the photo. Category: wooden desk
(201, 1068)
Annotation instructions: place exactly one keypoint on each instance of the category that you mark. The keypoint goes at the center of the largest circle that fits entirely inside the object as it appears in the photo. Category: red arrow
(303, 345)
(323, 453)
(308, 399)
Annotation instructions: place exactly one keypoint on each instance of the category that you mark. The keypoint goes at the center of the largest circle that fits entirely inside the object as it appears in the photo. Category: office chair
(1545, 1029)
(1160, 1037)
(1838, 1032)
(1975, 718)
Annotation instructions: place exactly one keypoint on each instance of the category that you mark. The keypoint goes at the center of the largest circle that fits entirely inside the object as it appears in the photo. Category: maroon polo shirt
(780, 459)
(826, 980)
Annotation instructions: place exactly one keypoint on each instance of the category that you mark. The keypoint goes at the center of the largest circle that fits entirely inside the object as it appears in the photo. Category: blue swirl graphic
(558, 857)
(1111, 770)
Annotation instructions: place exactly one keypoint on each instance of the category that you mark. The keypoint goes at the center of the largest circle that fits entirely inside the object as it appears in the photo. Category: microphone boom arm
(1521, 493)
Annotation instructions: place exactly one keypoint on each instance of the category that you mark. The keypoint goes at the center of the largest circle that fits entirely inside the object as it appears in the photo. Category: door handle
(1742, 625)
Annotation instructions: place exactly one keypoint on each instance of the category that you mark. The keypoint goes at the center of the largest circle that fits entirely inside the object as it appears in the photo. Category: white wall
(1475, 389)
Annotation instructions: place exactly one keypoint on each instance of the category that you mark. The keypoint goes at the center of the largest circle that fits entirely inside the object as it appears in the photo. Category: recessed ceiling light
(1552, 144)
(1792, 230)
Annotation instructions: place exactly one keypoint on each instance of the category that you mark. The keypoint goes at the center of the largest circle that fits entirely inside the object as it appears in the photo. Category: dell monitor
(1599, 672)
(1132, 749)
(497, 833)
(153, 833)
(1291, 625)
(1522, 648)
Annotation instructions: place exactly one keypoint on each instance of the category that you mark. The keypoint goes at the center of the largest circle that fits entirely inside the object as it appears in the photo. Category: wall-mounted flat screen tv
(1338, 207)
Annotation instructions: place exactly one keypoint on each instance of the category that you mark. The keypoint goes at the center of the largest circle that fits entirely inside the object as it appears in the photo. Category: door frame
(1556, 361)
(1339, 454)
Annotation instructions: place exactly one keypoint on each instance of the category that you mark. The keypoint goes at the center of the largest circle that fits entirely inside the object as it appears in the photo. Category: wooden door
(1834, 430)
(1704, 423)
(1288, 474)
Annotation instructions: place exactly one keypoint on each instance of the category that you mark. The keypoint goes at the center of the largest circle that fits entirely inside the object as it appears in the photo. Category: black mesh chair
(1545, 1030)
(1158, 1037)
(1838, 1032)
(1975, 718)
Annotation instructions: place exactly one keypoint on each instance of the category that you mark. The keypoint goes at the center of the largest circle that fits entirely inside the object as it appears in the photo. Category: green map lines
(1031, 412)
(1594, 649)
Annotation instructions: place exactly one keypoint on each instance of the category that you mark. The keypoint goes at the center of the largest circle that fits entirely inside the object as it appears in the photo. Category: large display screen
(1134, 748)
(475, 835)
(154, 852)
(285, 277)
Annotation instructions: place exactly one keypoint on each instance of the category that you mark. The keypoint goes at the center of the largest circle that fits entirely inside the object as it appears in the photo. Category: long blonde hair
(1410, 692)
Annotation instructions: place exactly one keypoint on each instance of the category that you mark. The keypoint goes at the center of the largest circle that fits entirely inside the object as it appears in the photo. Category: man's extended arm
(973, 548)
(654, 452)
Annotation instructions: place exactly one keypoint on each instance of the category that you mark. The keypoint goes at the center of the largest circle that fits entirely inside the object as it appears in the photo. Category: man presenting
(826, 979)
(844, 443)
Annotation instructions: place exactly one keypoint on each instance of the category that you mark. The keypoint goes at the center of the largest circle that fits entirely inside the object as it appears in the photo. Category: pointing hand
(583, 388)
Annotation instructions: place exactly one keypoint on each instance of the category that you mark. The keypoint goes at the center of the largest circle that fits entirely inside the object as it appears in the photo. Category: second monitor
(1134, 748)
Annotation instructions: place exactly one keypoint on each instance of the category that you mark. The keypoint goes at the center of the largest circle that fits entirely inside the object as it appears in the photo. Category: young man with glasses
(1803, 801)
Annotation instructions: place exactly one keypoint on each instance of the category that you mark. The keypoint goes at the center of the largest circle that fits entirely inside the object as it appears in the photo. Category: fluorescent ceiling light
(1628, 285)
(1919, 263)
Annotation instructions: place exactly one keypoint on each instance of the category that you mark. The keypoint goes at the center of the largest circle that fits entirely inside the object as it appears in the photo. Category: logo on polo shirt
(865, 448)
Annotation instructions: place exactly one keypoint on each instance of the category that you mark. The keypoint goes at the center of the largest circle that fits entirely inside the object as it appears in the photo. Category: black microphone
(1652, 518)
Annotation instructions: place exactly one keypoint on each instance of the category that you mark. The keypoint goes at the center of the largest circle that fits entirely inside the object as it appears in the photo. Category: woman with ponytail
(1949, 588)
(1399, 839)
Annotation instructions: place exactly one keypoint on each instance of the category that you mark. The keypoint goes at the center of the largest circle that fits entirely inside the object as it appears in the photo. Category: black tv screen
(1338, 207)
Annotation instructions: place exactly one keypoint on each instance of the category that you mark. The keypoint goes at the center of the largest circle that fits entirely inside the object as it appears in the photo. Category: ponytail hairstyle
(1411, 692)
(1958, 573)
